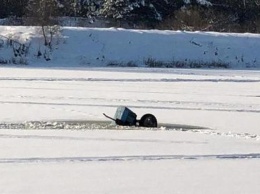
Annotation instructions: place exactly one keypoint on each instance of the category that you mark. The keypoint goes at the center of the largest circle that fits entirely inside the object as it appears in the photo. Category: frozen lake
(54, 138)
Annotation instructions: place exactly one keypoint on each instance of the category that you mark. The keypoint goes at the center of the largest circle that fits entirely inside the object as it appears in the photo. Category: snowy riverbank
(74, 46)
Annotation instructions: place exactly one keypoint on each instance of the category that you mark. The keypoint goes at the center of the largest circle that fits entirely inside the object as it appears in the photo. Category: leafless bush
(51, 36)
(122, 64)
(150, 62)
(19, 50)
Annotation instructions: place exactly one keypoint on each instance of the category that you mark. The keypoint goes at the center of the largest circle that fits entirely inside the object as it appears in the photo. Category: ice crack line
(130, 158)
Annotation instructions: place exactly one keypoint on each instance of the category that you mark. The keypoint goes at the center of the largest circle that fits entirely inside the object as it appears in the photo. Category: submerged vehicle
(125, 117)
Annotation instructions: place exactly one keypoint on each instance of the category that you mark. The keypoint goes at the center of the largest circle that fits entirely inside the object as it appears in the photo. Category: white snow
(219, 155)
(202, 2)
(99, 47)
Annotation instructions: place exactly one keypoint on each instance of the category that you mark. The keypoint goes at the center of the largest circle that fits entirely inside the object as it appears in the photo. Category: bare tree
(41, 13)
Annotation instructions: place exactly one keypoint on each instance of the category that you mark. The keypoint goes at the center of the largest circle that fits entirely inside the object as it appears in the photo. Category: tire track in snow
(129, 158)
(126, 80)
(132, 106)
(175, 103)
(60, 138)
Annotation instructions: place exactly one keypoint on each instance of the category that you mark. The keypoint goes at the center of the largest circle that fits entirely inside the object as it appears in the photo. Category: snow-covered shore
(100, 47)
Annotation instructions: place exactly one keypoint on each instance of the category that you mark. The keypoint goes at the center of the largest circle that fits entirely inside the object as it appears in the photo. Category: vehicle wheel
(148, 120)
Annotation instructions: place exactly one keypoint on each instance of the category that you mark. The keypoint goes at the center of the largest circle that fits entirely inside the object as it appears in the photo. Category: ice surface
(54, 137)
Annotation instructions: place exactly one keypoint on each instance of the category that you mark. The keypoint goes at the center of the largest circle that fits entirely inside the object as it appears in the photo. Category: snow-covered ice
(221, 156)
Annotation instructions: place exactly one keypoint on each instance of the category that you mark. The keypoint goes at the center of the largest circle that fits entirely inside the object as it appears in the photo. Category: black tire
(148, 120)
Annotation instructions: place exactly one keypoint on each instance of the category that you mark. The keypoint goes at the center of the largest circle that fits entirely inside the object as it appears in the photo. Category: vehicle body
(125, 117)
